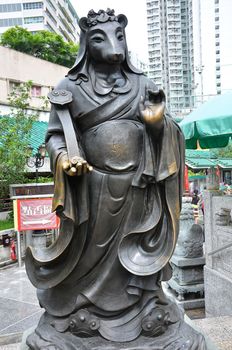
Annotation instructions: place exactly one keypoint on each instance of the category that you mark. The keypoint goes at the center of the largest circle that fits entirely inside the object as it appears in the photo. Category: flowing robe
(126, 209)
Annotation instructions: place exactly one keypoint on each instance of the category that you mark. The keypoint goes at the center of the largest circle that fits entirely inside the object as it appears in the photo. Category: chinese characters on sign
(36, 214)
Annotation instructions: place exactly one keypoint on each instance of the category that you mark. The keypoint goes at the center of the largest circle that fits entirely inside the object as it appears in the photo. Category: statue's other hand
(75, 167)
(152, 107)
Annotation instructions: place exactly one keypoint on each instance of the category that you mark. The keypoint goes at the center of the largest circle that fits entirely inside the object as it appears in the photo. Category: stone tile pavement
(4, 254)
(19, 308)
(218, 329)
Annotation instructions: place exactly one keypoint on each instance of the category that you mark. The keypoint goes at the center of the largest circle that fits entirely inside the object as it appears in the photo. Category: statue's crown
(101, 16)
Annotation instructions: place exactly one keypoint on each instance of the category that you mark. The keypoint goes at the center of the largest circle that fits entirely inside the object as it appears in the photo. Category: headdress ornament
(102, 16)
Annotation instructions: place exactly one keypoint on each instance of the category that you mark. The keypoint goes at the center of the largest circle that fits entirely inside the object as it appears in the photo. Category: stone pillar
(212, 179)
(218, 249)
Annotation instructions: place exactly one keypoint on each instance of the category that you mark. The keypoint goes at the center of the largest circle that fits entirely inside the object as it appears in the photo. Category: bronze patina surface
(118, 160)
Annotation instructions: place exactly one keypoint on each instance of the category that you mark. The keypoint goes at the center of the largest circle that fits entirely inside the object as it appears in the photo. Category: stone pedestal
(179, 336)
(187, 282)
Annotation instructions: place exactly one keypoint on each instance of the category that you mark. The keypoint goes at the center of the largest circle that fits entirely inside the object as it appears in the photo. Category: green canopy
(210, 124)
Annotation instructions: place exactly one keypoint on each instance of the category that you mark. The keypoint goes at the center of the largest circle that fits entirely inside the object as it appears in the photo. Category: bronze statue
(118, 160)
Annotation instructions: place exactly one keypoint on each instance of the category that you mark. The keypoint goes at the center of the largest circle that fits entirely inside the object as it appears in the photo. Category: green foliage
(42, 44)
(196, 172)
(17, 38)
(6, 224)
(42, 179)
(15, 131)
(224, 152)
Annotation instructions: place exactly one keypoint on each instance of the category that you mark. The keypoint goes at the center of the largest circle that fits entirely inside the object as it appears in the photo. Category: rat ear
(83, 24)
(122, 19)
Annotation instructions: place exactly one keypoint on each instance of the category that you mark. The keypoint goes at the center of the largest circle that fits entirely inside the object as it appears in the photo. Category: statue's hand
(76, 167)
(152, 107)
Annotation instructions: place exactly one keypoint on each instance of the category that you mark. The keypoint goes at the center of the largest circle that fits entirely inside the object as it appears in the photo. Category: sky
(135, 11)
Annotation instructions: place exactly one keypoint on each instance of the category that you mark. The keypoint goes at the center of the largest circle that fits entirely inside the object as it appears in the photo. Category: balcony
(175, 72)
(50, 16)
(69, 16)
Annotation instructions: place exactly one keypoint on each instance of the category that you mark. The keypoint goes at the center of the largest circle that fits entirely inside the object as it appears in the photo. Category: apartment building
(136, 61)
(57, 16)
(212, 45)
(170, 49)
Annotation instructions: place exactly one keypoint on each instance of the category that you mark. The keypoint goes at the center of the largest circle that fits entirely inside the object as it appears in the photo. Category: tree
(15, 131)
(224, 152)
(43, 44)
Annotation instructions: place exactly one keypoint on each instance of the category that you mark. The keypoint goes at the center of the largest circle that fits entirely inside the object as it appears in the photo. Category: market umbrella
(210, 124)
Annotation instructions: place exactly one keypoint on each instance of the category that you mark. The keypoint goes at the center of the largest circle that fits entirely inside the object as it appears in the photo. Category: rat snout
(116, 57)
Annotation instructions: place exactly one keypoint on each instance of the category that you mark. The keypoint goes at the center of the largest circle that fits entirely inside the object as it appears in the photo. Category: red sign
(36, 214)
(186, 180)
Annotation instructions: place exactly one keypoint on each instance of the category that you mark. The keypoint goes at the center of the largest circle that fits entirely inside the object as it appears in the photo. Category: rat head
(105, 36)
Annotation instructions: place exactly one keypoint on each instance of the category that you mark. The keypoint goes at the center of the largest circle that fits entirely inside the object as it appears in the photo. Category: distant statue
(118, 162)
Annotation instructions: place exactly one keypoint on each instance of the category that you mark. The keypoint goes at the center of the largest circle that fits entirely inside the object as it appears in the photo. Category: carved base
(179, 336)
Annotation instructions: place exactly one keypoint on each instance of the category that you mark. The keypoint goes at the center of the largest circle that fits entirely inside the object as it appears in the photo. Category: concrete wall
(16, 65)
(19, 67)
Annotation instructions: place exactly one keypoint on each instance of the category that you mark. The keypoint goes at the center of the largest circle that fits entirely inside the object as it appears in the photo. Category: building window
(217, 52)
(14, 85)
(217, 10)
(218, 77)
(11, 22)
(10, 7)
(216, 27)
(216, 2)
(227, 177)
(217, 44)
(32, 5)
(218, 60)
(30, 20)
(216, 19)
(217, 35)
(35, 91)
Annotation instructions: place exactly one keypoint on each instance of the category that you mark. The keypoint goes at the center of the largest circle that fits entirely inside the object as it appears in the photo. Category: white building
(170, 48)
(57, 16)
(212, 47)
(137, 62)
(16, 68)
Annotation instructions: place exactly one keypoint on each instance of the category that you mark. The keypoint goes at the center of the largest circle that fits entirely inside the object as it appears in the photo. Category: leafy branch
(15, 129)
(42, 44)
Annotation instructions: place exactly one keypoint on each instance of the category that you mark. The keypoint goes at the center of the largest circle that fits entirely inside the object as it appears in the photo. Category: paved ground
(19, 308)
(4, 254)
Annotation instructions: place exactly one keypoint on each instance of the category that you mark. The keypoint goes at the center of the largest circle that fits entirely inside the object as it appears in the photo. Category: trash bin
(6, 240)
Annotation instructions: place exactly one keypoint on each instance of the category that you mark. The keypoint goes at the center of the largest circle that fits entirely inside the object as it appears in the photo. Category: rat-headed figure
(118, 161)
